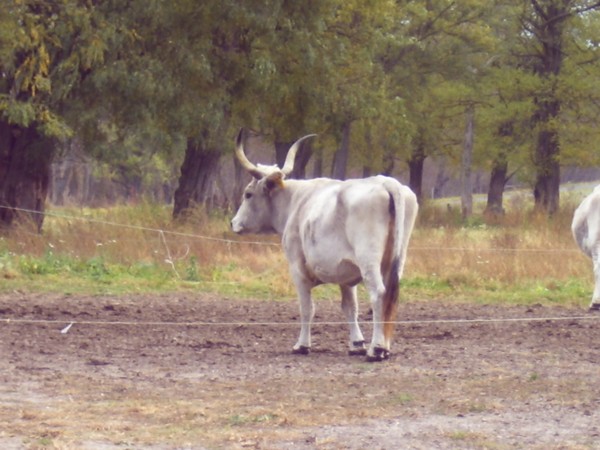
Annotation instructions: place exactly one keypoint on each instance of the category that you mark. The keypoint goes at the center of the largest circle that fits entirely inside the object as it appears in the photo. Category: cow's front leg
(307, 312)
(350, 309)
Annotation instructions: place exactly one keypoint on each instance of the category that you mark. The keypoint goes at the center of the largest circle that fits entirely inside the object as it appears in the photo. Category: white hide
(586, 231)
(333, 232)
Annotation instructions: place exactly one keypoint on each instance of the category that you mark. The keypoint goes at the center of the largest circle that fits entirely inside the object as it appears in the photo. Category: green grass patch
(518, 259)
(56, 273)
(53, 272)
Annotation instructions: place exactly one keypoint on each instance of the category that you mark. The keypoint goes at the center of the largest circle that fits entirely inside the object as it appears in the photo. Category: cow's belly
(334, 270)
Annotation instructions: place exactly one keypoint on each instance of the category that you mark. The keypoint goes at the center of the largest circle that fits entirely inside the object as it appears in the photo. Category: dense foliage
(151, 87)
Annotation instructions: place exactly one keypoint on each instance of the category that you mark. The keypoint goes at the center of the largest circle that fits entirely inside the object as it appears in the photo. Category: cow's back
(337, 226)
(356, 209)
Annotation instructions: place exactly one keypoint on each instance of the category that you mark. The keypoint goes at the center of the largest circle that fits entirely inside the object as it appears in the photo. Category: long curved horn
(241, 156)
(288, 166)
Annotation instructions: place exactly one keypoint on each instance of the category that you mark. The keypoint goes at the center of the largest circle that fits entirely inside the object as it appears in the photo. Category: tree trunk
(388, 160)
(441, 179)
(389, 163)
(340, 159)
(25, 159)
(281, 151)
(495, 195)
(239, 184)
(499, 177)
(466, 197)
(318, 166)
(415, 168)
(302, 157)
(70, 175)
(546, 191)
(196, 182)
(548, 25)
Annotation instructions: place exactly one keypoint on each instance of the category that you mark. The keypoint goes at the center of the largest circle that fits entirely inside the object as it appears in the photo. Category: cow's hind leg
(350, 309)
(307, 312)
(595, 305)
(379, 348)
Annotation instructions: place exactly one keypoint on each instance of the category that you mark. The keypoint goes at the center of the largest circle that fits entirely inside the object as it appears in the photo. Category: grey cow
(333, 231)
(586, 231)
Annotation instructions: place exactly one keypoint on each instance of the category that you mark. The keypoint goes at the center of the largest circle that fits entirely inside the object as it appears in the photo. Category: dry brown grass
(517, 249)
(501, 254)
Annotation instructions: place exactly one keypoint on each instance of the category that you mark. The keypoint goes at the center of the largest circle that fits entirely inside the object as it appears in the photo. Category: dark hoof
(302, 350)
(595, 307)
(381, 354)
(359, 349)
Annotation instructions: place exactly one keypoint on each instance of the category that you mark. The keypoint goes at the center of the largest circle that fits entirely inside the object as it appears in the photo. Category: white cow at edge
(333, 231)
(586, 230)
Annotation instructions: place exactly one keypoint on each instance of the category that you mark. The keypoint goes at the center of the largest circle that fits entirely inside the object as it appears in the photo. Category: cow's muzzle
(236, 226)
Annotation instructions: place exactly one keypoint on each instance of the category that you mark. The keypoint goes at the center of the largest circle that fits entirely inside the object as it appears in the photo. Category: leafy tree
(324, 79)
(504, 127)
(254, 61)
(550, 37)
(151, 83)
(59, 61)
(432, 65)
(47, 48)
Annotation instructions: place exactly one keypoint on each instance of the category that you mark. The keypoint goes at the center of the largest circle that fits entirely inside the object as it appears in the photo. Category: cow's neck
(283, 203)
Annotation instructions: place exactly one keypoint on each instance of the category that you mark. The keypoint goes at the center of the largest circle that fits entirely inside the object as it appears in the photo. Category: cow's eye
(248, 195)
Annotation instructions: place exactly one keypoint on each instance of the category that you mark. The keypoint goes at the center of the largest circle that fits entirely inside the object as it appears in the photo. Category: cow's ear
(274, 181)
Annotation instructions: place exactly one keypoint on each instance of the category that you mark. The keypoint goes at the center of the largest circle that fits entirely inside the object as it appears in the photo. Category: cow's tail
(392, 258)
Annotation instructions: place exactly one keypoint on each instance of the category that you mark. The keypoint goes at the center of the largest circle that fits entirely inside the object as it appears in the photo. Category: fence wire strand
(229, 242)
(71, 323)
(163, 232)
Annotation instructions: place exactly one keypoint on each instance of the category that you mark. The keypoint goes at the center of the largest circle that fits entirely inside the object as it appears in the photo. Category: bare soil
(196, 371)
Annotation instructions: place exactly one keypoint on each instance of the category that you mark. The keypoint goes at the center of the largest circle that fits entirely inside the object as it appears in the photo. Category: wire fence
(163, 233)
(237, 324)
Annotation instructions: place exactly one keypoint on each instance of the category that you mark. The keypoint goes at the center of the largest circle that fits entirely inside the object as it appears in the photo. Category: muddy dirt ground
(197, 371)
